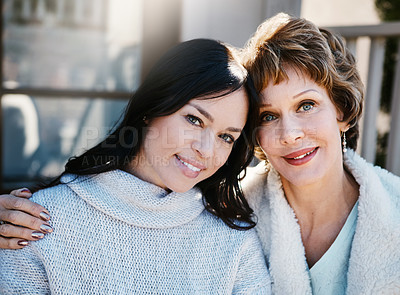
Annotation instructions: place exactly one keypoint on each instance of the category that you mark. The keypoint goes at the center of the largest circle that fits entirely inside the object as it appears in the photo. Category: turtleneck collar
(129, 199)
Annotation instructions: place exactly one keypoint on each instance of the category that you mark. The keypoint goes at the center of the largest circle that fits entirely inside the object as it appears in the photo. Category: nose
(290, 131)
(204, 145)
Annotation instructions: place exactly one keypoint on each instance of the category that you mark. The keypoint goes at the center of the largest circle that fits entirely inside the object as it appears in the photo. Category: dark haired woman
(129, 214)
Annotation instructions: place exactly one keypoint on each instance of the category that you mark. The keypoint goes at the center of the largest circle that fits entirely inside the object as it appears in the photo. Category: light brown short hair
(283, 42)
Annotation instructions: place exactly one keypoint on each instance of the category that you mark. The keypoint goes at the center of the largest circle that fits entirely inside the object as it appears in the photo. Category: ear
(343, 126)
(339, 115)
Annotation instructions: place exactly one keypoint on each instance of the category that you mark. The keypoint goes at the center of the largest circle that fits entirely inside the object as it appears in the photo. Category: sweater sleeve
(252, 276)
(22, 272)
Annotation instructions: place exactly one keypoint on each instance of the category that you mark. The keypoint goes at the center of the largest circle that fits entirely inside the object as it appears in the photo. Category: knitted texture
(116, 234)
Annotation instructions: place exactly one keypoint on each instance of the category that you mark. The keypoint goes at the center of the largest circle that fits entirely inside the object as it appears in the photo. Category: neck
(322, 209)
(323, 199)
(141, 169)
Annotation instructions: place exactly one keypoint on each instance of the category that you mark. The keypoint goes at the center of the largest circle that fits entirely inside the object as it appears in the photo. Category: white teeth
(302, 156)
(191, 167)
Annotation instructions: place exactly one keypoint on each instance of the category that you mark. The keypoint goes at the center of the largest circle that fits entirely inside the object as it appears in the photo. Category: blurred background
(68, 67)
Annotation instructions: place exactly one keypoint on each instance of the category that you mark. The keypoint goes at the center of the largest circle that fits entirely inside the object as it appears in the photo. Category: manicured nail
(37, 235)
(44, 216)
(23, 243)
(46, 228)
(25, 190)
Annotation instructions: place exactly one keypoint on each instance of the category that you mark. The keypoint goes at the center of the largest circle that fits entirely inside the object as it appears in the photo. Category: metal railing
(377, 35)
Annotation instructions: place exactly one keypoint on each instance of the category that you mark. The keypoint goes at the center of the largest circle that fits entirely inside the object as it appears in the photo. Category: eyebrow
(202, 111)
(294, 97)
(233, 129)
(305, 91)
(209, 117)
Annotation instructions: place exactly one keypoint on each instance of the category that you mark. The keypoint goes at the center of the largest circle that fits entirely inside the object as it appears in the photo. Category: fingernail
(44, 216)
(23, 243)
(46, 228)
(37, 235)
(25, 190)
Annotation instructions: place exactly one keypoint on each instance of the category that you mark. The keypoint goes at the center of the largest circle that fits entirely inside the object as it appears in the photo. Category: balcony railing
(377, 35)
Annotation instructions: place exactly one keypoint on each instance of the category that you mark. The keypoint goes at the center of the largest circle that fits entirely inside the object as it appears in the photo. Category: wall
(340, 12)
(232, 21)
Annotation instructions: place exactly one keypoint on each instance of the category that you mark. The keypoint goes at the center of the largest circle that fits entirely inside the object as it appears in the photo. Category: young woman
(329, 222)
(156, 207)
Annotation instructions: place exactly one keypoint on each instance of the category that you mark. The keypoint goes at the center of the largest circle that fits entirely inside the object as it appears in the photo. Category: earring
(344, 143)
(144, 118)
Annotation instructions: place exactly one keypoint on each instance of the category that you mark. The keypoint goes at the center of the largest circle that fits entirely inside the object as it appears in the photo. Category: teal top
(329, 274)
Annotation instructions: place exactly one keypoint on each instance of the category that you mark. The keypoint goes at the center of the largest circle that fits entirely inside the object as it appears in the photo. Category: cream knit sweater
(116, 234)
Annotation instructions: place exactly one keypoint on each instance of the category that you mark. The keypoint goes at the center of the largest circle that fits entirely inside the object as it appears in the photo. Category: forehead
(237, 97)
(230, 107)
(296, 81)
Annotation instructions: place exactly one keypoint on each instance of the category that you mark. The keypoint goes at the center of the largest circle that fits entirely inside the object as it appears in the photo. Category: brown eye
(227, 138)
(193, 120)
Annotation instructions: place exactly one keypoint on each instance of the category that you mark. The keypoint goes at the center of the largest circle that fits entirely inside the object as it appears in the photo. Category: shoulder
(254, 183)
(53, 195)
(374, 178)
(378, 220)
(211, 225)
(261, 185)
(240, 251)
(390, 182)
(255, 175)
(61, 200)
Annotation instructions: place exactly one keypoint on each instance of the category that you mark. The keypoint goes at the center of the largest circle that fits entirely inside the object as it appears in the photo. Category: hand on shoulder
(21, 220)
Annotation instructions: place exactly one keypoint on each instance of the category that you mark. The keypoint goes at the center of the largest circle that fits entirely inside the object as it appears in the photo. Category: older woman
(329, 222)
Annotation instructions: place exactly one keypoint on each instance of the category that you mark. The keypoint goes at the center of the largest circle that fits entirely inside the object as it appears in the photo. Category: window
(68, 68)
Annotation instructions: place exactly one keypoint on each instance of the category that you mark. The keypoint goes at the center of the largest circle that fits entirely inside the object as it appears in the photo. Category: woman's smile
(189, 168)
(301, 157)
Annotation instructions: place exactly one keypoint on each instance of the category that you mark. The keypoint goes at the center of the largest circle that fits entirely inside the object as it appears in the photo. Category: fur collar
(374, 266)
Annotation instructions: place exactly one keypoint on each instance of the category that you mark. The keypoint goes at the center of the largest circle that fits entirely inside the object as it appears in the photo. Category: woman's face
(182, 149)
(300, 131)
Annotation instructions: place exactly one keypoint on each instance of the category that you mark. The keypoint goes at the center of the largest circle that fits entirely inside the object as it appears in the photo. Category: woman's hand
(21, 220)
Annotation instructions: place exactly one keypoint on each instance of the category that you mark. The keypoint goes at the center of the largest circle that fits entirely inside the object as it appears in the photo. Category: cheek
(165, 132)
(265, 138)
(220, 157)
(327, 129)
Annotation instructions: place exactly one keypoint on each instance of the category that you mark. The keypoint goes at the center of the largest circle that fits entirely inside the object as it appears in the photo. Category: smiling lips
(301, 157)
(191, 169)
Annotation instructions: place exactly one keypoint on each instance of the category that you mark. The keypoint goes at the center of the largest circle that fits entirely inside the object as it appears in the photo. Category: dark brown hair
(192, 69)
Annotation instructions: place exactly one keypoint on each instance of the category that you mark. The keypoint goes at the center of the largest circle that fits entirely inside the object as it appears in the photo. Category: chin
(180, 188)
(305, 179)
